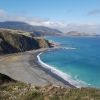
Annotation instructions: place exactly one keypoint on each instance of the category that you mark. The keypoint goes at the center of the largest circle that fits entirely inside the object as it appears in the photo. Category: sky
(82, 15)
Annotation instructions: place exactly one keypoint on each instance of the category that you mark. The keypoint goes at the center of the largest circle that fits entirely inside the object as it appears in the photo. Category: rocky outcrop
(5, 79)
(12, 41)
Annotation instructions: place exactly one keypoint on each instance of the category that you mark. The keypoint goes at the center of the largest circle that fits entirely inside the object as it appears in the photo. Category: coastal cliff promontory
(12, 41)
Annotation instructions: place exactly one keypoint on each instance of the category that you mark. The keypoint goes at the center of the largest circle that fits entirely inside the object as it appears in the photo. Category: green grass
(33, 95)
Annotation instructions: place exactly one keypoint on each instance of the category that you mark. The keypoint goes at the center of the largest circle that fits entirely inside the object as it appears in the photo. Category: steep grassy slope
(21, 91)
(12, 41)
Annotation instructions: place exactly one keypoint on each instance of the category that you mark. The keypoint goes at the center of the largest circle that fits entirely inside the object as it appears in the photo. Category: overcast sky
(66, 15)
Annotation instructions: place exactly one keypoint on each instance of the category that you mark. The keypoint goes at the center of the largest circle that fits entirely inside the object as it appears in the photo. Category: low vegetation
(14, 90)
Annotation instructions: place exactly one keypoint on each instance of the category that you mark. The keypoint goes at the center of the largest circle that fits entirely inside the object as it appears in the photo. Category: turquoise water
(82, 63)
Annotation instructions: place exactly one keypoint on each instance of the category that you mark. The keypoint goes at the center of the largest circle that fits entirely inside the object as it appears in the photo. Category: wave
(66, 48)
(63, 48)
(77, 83)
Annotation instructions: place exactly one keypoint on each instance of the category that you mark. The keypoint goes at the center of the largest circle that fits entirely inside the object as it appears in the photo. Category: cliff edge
(12, 41)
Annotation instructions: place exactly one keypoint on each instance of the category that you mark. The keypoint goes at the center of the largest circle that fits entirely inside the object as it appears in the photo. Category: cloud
(94, 12)
(30, 20)
(65, 27)
(2, 13)
(91, 28)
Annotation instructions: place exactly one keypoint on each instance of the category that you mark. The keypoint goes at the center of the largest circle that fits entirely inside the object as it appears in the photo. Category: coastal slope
(22, 91)
(23, 78)
(12, 41)
(23, 64)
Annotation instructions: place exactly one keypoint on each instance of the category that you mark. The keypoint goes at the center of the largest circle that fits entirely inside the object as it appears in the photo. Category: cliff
(12, 41)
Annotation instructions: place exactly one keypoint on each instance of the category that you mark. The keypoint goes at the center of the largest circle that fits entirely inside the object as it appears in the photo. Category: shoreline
(48, 70)
(25, 67)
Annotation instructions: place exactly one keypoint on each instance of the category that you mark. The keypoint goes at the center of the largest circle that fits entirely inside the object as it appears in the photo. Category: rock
(12, 41)
(5, 79)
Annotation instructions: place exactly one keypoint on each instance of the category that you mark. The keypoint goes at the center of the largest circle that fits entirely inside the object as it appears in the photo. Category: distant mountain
(76, 33)
(37, 30)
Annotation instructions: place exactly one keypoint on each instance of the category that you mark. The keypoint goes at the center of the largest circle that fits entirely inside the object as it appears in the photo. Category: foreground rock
(5, 79)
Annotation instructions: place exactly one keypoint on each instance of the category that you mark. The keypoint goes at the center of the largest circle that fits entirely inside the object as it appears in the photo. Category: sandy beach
(25, 67)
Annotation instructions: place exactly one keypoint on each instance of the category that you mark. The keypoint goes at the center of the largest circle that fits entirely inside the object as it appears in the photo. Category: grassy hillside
(13, 90)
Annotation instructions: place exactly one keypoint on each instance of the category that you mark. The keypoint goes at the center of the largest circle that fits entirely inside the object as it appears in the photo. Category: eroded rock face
(13, 42)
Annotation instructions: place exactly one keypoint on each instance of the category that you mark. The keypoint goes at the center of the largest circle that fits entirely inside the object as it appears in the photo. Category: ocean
(77, 61)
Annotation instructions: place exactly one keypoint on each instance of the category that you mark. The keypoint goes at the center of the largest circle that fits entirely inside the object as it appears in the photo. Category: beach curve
(25, 67)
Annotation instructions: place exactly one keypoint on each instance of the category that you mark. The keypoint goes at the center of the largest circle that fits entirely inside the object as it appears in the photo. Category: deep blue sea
(81, 61)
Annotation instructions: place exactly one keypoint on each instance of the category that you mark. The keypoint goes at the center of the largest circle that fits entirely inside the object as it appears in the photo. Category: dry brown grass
(22, 91)
(14, 90)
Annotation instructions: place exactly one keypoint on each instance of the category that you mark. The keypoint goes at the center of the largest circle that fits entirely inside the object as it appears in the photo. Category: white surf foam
(77, 83)
(66, 48)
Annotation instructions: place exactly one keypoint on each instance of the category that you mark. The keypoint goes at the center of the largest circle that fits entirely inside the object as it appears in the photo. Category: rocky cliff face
(5, 79)
(12, 41)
